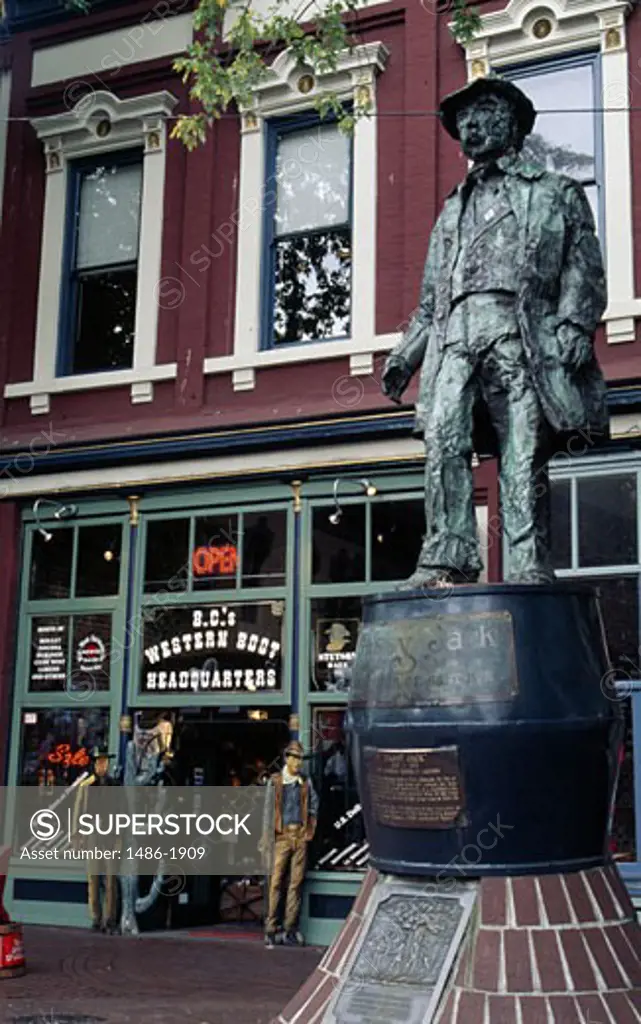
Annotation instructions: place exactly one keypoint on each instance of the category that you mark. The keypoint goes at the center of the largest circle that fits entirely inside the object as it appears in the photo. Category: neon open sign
(212, 560)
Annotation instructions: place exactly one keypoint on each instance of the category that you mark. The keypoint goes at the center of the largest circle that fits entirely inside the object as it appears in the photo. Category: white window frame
(139, 121)
(280, 96)
(509, 37)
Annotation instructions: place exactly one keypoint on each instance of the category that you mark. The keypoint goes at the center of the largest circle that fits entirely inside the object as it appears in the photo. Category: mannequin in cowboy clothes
(104, 916)
(512, 292)
(292, 800)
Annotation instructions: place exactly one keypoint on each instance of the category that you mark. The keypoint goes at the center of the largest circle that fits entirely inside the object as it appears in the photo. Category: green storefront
(235, 607)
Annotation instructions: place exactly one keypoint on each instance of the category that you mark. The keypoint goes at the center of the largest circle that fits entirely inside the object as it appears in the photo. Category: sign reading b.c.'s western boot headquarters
(226, 648)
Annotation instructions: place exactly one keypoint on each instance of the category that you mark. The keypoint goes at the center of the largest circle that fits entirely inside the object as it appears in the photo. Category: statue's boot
(433, 577)
(540, 575)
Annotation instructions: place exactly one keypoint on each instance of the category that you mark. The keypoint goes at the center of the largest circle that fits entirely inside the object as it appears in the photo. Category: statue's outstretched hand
(396, 377)
(575, 345)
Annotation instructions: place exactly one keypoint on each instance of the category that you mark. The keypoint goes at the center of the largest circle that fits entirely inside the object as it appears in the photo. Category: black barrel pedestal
(481, 732)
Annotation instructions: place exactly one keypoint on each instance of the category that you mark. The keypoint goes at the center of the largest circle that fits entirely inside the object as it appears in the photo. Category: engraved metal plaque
(401, 964)
(442, 661)
(382, 1004)
(418, 788)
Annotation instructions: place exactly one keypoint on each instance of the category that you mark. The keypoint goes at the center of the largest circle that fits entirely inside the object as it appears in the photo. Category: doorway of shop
(220, 747)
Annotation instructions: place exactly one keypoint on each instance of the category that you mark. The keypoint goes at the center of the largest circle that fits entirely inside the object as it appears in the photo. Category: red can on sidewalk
(12, 961)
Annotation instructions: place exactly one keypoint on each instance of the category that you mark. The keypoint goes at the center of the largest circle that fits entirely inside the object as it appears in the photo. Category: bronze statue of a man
(512, 292)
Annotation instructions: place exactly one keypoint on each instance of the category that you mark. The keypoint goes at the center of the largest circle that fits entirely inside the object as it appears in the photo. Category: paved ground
(165, 980)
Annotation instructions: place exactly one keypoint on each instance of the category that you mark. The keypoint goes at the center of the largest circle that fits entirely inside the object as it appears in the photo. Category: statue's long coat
(560, 274)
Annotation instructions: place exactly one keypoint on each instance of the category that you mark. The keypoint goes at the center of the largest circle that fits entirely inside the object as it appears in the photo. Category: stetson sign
(218, 648)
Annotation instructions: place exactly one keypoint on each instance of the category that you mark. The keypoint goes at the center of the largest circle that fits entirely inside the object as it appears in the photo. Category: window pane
(623, 838)
(91, 653)
(106, 314)
(166, 557)
(109, 216)
(607, 520)
(215, 555)
(49, 653)
(562, 142)
(338, 549)
(57, 744)
(98, 569)
(313, 179)
(264, 549)
(397, 534)
(339, 843)
(50, 575)
(335, 626)
(620, 609)
(312, 288)
(560, 524)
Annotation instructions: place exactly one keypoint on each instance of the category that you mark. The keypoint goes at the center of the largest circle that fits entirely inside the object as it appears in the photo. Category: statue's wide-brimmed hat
(493, 84)
(99, 752)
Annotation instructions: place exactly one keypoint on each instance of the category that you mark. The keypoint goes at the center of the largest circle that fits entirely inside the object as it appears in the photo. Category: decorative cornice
(81, 126)
(294, 85)
(535, 29)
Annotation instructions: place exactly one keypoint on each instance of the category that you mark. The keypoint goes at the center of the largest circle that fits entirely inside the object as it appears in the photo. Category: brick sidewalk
(151, 980)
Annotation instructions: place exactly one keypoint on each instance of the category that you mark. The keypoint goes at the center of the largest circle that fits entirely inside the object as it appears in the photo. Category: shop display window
(167, 555)
(98, 569)
(51, 559)
(56, 575)
(339, 843)
(335, 626)
(216, 552)
(57, 743)
(397, 534)
(70, 653)
(338, 547)
(264, 549)
(212, 649)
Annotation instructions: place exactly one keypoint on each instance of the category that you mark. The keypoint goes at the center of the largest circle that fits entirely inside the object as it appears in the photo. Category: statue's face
(487, 127)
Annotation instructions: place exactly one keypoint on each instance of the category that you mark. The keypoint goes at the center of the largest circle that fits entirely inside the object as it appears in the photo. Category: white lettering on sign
(212, 640)
(228, 655)
(199, 680)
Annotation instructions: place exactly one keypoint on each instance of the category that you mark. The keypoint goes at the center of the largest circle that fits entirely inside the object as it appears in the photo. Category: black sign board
(336, 641)
(91, 651)
(50, 669)
(49, 652)
(229, 648)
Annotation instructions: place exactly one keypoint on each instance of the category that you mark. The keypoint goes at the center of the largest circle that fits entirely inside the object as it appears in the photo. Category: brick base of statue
(536, 949)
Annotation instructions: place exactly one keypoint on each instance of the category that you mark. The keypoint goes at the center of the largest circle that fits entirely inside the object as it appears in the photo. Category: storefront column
(130, 627)
(11, 553)
(294, 718)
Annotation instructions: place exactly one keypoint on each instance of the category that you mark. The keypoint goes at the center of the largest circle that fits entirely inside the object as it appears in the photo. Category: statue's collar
(513, 165)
